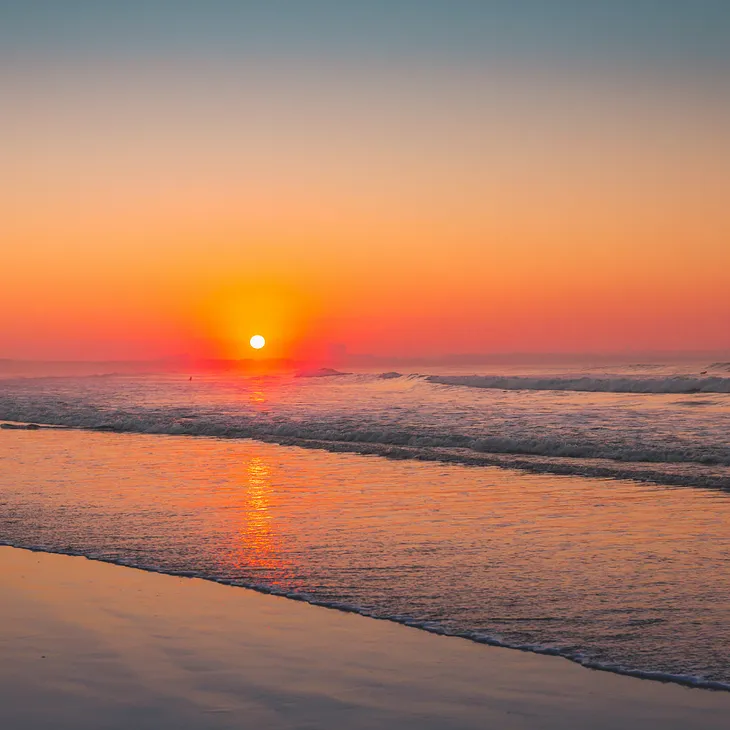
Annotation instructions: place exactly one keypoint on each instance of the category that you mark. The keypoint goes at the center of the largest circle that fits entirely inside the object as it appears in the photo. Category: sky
(405, 178)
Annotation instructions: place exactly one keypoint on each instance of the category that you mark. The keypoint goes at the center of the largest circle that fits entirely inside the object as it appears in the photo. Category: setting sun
(257, 342)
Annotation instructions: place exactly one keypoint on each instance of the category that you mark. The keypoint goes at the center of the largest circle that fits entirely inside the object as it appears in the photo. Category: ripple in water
(610, 573)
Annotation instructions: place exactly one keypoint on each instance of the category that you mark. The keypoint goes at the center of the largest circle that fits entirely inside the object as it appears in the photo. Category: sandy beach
(92, 645)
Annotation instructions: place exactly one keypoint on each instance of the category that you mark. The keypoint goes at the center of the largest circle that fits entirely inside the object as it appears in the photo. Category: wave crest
(682, 466)
(677, 384)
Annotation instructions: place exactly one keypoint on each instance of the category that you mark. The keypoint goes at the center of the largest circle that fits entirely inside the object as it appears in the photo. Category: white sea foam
(677, 384)
(687, 467)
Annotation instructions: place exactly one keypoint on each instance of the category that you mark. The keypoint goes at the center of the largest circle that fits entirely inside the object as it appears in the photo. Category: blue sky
(652, 32)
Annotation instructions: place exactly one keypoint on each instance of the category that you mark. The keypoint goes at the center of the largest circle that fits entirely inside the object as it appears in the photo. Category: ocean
(579, 511)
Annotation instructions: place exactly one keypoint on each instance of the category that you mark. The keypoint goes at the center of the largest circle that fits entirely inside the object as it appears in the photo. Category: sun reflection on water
(258, 534)
(257, 395)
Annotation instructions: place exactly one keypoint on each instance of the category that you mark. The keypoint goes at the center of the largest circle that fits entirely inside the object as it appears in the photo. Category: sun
(257, 342)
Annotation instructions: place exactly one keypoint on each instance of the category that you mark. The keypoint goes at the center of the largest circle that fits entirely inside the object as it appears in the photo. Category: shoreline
(96, 644)
(685, 681)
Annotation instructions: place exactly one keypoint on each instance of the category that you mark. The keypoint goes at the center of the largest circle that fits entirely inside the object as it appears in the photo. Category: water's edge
(687, 681)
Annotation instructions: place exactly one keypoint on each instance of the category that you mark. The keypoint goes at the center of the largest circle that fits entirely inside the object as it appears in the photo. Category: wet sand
(88, 645)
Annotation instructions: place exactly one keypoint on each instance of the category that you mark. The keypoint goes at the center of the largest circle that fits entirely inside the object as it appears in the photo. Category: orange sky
(158, 209)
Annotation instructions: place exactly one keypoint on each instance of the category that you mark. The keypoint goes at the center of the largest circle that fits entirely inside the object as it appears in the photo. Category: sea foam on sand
(87, 645)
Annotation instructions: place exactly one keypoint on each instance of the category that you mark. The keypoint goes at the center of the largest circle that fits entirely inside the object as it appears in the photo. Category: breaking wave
(688, 465)
(676, 384)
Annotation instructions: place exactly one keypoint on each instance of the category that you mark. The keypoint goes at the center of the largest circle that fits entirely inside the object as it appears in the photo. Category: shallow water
(627, 575)
(673, 427)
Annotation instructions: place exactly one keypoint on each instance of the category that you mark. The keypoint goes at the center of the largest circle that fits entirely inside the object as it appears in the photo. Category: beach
(91, 645)
(365, 365)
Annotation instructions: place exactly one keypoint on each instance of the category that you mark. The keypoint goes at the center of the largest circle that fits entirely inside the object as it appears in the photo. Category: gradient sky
(400, 178)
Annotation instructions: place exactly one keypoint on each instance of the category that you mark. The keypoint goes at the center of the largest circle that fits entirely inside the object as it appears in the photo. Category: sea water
(580, 512)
